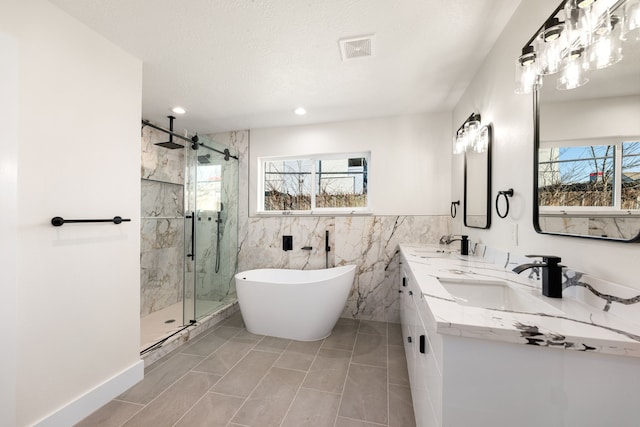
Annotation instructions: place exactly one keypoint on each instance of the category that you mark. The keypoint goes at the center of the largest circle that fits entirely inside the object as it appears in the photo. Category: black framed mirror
(477, 183)
(587, 154)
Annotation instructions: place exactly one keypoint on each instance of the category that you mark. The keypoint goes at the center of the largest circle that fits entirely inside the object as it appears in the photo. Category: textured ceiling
(240, 64)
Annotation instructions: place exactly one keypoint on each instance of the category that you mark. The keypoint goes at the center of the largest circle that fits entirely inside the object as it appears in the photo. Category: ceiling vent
(356, 47)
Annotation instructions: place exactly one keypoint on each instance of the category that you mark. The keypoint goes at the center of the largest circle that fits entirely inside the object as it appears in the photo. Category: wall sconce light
(579, 36)
(471, 136)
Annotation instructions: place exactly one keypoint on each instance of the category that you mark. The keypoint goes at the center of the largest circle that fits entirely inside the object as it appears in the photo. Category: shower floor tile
(272, 382)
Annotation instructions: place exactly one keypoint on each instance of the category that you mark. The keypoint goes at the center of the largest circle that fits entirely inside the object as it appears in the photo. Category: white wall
(409, 168)
(491, 94)
(77, 298)
(592, 118)
(8, 241)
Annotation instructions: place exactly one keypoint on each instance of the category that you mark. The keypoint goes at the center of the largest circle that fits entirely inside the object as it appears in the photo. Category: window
(589, 177)
(315, 184)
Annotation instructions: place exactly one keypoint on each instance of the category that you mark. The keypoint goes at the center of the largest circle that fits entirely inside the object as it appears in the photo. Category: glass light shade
(527, 78)
(458, 142)
(607, 47)
(550, 44)
(574, 71)
(578, 24)
(471, 132)
(482, 141)
(631, 27)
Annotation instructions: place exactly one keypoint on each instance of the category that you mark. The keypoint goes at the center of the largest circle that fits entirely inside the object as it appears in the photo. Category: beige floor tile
(258, 380)
(272, 344)
(400, 407)
(204, 346)
(113, 414)
(299, 355)
(160, 378)
(223, 359)
(213, 410)
(343, 337)
(328, 371)
(397, 364)
(246, 336)
(312, 408)
(348, 422)
(226, 331)
(234, 320)
(370, 350)
(268, 404)
(345, 322)
(246, 374)
(365, 394)
(394, 334)
(174, 402)
(373, 327)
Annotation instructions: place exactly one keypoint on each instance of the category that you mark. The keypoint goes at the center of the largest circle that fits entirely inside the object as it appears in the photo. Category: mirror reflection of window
(581, 176)
(630, 175)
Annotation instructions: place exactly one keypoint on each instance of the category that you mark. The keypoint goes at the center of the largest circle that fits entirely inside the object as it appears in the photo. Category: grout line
(344, 384)
(315, 356)
(257, 385)
(219, 379)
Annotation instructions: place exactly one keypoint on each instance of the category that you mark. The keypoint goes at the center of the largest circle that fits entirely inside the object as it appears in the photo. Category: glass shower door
(211, 230)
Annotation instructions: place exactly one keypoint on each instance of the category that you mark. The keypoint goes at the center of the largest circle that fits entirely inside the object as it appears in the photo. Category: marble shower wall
(161, 224)
(370, 242)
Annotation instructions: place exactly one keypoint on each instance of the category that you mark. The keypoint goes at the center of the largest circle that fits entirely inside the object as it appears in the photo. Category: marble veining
(158, 163)
(593, 315)
(574, 280)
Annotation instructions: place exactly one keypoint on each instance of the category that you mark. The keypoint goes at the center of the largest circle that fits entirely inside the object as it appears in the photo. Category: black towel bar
(58, 221)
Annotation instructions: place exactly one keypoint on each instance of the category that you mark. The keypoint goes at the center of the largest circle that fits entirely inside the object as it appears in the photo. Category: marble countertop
(587, 318)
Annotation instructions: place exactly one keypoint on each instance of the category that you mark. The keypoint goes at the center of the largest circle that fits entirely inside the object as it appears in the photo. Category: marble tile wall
(161, 224)
(370, 242)
(614, 227)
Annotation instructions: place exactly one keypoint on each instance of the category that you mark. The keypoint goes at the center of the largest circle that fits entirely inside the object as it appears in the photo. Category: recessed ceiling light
(179, 110)
(300, 111)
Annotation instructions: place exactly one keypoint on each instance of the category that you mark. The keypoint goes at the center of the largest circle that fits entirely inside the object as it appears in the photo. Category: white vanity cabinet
(477, 380)
(424, 374)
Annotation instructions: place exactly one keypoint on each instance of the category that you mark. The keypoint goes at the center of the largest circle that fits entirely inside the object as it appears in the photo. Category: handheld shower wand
(327, 248)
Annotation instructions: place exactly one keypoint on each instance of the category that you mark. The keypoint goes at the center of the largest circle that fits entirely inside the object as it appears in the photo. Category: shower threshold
(154, 329)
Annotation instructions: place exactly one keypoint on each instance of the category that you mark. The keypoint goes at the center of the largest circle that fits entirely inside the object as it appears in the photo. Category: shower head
(170, 144)
(204, 159)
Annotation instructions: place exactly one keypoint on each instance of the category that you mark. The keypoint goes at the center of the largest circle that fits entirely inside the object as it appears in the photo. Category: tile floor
(357, 377)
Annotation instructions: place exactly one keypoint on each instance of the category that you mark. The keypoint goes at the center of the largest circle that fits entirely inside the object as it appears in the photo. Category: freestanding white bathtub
(303, 305)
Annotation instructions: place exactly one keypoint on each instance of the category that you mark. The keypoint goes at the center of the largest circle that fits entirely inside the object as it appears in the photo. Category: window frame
(314, 211)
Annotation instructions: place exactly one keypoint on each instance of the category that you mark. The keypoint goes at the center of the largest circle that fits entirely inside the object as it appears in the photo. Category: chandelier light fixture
(579, 37)
(471, 136)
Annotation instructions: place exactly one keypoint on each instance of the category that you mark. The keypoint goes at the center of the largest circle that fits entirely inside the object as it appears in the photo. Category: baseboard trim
(94, 399)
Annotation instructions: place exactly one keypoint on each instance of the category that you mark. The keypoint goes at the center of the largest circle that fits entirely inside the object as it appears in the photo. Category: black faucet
(551, 274)
(464, 242)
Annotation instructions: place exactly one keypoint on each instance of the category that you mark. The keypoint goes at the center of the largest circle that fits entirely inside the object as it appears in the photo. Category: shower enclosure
(189, 231)
(211, 229)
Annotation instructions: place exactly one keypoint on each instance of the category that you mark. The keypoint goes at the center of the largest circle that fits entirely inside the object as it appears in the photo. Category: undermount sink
(495, 294)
